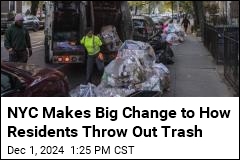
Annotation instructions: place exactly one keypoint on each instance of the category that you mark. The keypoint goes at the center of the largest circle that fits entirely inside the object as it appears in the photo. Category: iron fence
(231, 60)
(210, 40)
(214, 39)
(223, 44)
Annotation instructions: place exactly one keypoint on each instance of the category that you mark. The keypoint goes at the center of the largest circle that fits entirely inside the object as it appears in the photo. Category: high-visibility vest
(92, 47)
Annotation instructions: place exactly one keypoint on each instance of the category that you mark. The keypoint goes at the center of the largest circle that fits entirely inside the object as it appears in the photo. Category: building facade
(227, 11)
(11, 6)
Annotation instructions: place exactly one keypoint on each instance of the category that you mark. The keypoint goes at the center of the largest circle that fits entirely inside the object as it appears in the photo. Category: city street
(75, 72)
(148, 79)
(203, 58)
(193, 74)
(37, 39)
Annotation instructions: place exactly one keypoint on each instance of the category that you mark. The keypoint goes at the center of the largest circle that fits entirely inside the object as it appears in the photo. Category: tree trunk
(199, 15)
(34, 7)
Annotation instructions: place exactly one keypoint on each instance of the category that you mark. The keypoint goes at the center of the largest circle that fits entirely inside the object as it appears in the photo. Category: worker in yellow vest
(92, 44)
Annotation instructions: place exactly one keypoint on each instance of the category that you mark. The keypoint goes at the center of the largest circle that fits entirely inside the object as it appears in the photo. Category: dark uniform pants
(18, 56)
(91, 60)
(185, 28)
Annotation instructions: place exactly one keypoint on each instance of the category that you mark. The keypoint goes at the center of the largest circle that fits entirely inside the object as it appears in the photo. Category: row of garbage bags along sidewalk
(134, 69)
(173, 34)
(162, 42)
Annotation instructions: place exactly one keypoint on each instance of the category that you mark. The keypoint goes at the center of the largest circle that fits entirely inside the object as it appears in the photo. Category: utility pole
(172, 10)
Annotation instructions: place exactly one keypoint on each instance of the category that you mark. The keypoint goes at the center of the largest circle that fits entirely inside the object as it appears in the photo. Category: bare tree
(34, 7)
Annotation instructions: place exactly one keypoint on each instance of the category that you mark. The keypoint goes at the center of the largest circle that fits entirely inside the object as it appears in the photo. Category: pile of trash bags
(174, 34)
(162, 49)
(133, 70)
(110, 38)
(83, 91)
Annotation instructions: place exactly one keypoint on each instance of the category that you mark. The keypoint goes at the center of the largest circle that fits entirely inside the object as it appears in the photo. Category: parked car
(32, 23)
(144, 28)
(158, 21)
(23, 80)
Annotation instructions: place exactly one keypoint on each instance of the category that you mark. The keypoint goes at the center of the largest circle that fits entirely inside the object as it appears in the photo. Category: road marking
(37, 42)
(36, 36)
(37, 46)
(2, 44)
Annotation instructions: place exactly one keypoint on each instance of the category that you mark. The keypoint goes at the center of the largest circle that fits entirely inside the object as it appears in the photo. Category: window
(5, 82)
(12, 6)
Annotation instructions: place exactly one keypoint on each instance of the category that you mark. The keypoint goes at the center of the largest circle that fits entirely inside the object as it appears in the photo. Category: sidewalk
(194, 73)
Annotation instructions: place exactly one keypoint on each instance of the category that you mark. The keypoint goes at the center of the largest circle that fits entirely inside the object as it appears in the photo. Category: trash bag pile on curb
(133, 70)
(163, 50)
(110, 38)
(162, 71)
(174, 34)
(102, 91)
(84, 91)
(130, 66)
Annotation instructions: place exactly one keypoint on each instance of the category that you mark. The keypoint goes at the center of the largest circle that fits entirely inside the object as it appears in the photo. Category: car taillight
(60, 59)
(67, 59)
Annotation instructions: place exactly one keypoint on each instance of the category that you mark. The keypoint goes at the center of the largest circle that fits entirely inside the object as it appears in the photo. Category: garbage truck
(66, 22)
